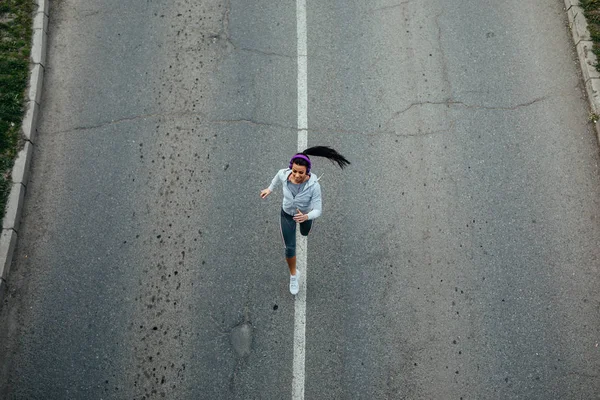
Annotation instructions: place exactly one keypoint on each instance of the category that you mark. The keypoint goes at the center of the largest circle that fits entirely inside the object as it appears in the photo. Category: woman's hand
(264, 193)
(300, 217)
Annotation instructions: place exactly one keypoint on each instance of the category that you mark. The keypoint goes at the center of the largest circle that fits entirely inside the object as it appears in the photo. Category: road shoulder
(20, 171)
(587, 59)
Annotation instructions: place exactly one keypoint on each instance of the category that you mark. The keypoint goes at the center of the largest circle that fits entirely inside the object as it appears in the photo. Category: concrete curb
(20, 171)
(587, 59)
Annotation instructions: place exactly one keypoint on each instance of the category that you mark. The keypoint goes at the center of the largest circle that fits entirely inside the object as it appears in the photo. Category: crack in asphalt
(448, 103)
(225, 35)
(91, 13)
(122, 120)
(178, 114)
(373, 133)
(226, 13)
(262, 52)
(445, 74)
(251, 122)
(391, 6)
(383, 132)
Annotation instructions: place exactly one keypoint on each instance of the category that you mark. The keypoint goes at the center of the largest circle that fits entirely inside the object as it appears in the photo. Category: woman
(301, 200)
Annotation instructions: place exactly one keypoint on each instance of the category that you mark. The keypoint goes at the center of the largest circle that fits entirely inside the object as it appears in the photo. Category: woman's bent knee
(305, 228)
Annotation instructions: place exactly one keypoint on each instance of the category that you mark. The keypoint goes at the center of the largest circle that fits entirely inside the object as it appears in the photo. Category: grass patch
(591, 10)
(15, 47)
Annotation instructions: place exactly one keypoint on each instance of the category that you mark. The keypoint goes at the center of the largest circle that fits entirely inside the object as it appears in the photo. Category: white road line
(301, 246)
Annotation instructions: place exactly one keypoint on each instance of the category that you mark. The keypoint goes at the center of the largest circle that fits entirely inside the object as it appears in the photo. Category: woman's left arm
(315, 203)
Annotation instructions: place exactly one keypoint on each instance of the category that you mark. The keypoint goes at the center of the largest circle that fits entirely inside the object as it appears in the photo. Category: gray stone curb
(8, 242)
(36, 81)
(587, 59)
(593, 89)
(38, 49)
(578, 24)
(30, 121)
(569, 3)
(20, 171)
(14, 204)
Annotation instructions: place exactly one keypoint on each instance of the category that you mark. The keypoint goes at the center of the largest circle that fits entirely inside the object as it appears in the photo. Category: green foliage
(15, 47)
(589, 4)
(594, 32)
(596, 51)
(591, 10)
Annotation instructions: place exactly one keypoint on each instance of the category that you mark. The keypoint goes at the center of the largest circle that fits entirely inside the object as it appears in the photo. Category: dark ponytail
(329, 153)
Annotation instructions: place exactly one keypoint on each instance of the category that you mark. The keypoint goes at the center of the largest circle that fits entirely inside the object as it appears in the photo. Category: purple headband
(302, 156)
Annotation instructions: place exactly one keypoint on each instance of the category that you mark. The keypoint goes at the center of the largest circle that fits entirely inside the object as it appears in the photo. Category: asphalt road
(457, 258)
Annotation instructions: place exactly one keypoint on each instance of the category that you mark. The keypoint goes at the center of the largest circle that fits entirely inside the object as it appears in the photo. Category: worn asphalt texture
(456, 258)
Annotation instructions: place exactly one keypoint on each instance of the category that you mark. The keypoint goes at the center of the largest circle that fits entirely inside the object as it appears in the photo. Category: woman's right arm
(276, 180)
(265, 192)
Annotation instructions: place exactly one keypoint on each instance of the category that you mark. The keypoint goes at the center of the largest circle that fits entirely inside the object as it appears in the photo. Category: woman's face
(298, 173)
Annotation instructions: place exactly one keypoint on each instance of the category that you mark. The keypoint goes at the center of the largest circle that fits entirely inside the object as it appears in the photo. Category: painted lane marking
(301, 245)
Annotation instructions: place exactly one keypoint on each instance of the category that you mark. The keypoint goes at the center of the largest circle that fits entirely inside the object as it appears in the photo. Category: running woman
(301, 200)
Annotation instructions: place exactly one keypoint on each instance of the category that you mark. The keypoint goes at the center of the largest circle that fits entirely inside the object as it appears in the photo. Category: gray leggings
(288, 231)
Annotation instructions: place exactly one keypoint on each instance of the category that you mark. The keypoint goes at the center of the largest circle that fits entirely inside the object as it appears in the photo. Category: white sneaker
(294, 283)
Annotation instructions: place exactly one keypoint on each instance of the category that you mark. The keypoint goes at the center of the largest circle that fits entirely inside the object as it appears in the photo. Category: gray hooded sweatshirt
(307, 200)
